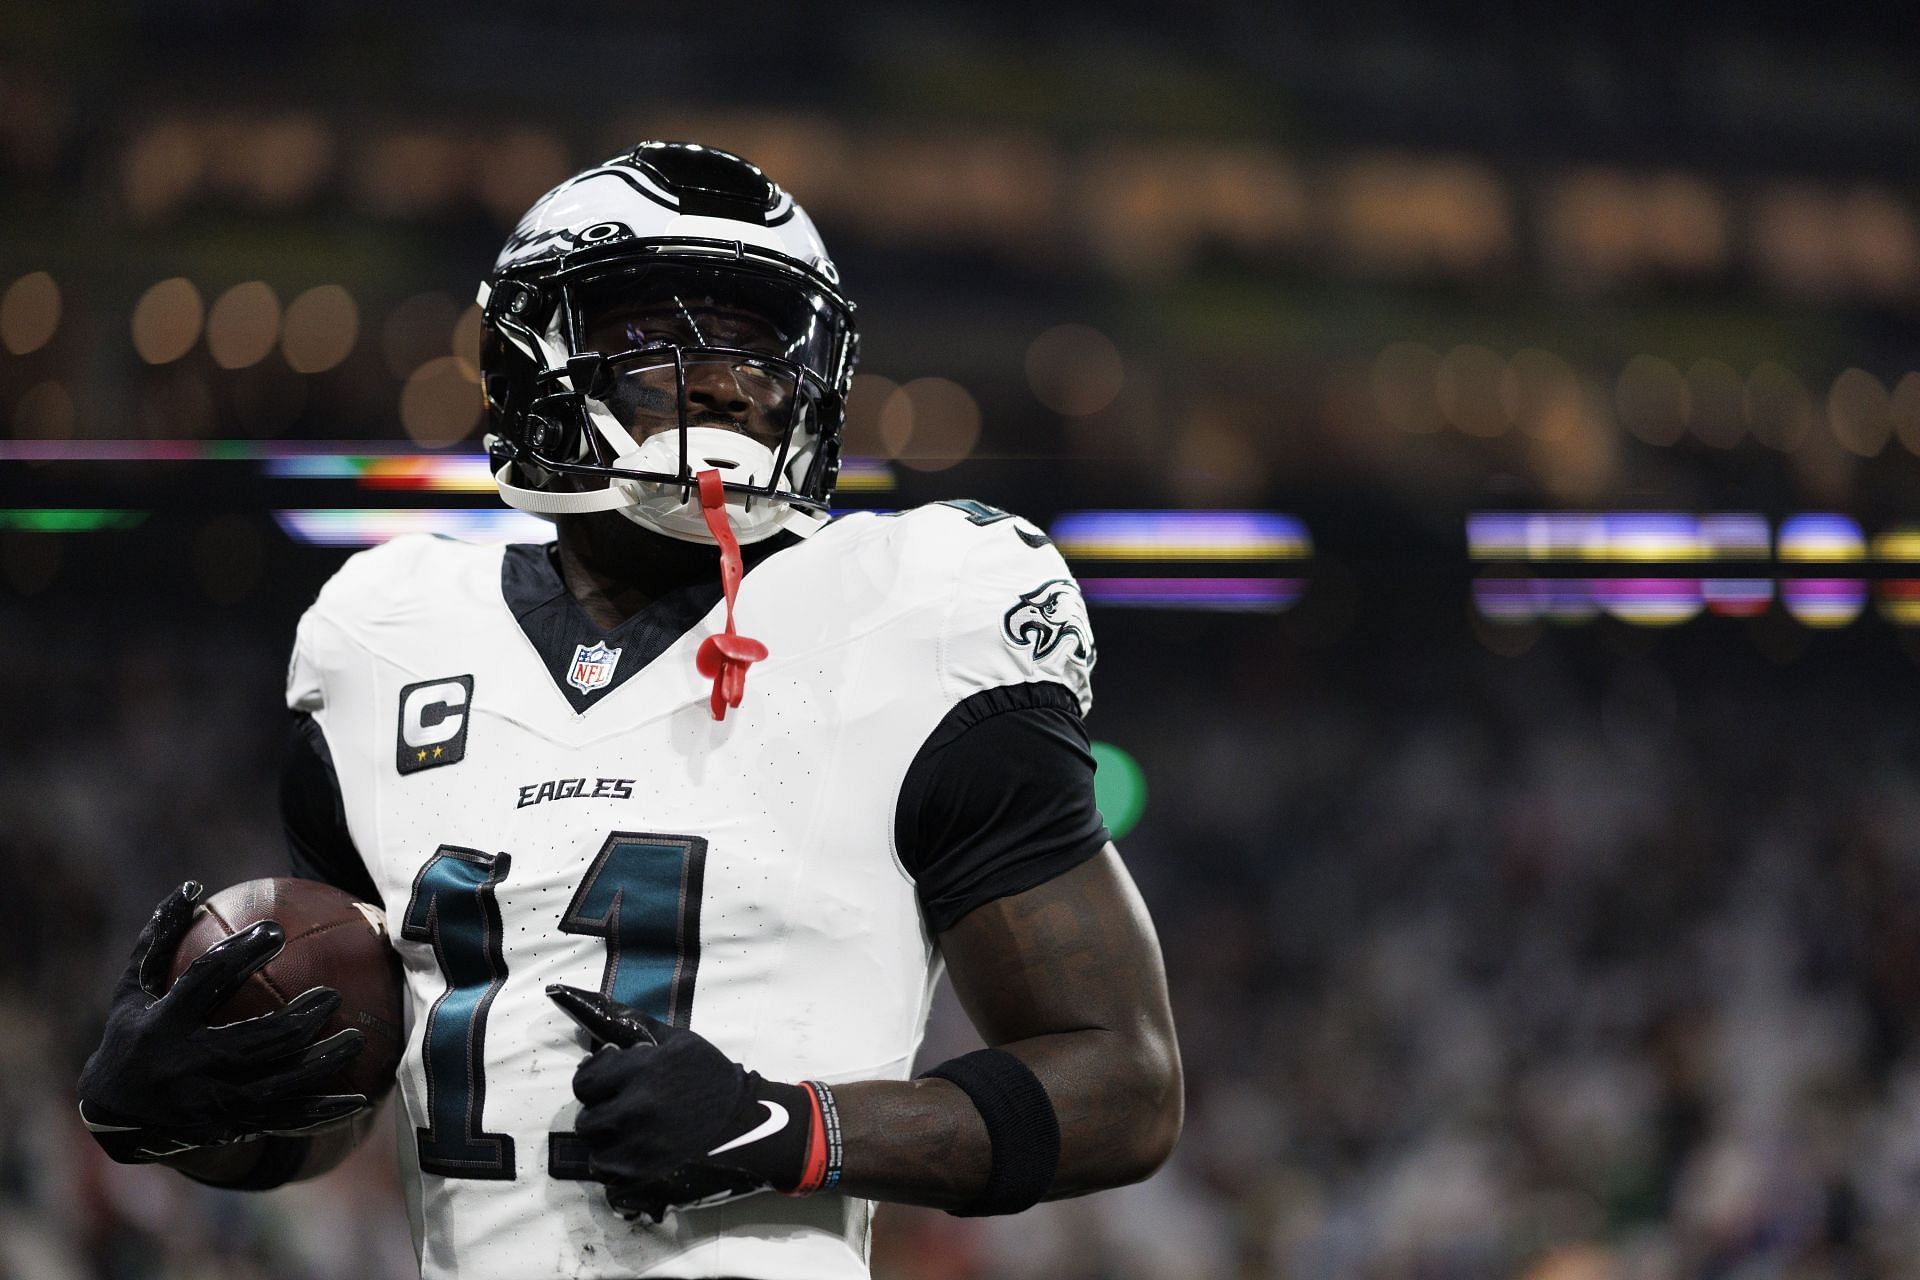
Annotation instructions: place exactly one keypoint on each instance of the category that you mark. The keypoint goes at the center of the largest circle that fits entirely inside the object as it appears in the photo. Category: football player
(677, 818)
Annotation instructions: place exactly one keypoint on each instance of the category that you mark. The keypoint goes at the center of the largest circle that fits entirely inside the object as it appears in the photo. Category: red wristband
(822, 1168)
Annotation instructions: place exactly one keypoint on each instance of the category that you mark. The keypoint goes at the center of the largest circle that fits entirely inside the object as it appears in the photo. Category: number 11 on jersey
(641, 894)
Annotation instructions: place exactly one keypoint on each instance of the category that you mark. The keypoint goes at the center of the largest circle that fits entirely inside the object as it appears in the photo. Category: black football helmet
(668, 312)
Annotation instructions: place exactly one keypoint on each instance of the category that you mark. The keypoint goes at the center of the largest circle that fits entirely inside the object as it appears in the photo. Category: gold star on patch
(422, 755)
(436, 753)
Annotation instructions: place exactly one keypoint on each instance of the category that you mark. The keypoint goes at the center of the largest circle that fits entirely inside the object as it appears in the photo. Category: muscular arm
(1067, 977)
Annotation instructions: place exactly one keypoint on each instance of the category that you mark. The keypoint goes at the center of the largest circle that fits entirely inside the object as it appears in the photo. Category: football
(332, 941)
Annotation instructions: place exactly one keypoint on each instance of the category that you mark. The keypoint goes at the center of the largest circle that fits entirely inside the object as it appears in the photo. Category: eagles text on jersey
(535, 801)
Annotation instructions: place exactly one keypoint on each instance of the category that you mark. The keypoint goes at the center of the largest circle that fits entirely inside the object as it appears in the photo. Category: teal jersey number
(454, 910)
(641, 894)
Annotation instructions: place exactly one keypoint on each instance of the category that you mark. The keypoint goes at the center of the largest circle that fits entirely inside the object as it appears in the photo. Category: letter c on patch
(426, 717)
(433, 723)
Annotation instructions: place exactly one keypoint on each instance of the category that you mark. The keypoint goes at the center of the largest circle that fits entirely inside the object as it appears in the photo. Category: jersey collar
(559, 629)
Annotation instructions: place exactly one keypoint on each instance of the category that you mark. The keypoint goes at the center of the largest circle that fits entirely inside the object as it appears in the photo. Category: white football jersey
(738, 877)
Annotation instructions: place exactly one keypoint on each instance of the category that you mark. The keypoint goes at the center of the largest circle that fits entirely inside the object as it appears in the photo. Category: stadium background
(1541, 893)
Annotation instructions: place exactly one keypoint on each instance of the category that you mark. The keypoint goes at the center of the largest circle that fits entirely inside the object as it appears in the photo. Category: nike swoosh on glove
(670, 1122)
(163, 1082)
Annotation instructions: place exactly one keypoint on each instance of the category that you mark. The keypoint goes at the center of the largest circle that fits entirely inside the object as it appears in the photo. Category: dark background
(1556, 946)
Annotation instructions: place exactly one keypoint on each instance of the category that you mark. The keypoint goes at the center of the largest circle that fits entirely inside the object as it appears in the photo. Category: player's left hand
(670, 1122)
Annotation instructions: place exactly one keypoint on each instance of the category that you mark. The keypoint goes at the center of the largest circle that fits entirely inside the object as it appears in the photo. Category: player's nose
(714, 387)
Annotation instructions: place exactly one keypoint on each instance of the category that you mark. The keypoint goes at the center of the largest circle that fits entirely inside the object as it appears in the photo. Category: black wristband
(1021, 1126)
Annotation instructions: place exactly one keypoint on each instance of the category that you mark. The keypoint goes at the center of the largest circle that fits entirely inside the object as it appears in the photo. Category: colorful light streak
(1737, 597)
(1649, 602)
(372, 464)
(470, 472)
(1820, 538)
(430, 473)
(192, 450)
(69, 519)
(1192, 536)
(366, 527)
(1824, 602)
(1647, 537)
(1219, 595)
(1900, 601)
(1899, 545)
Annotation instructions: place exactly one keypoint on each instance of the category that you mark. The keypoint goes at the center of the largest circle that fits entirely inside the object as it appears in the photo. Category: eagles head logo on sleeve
(1052, 617)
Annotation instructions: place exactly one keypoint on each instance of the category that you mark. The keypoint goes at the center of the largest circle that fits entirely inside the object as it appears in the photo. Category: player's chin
(616, 539)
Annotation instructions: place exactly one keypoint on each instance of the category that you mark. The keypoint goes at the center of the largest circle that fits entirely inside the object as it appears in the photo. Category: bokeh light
(1074, 369)
(243, 325)
(1651, 398)
(1217, 461)
(1119, 788)
(440, 402)
(320, 328)
(1860, 412)
(520, 166)
(467, 334)
(417, 330)
(1403, 379)
(930, 424)
(861, 437)
(162, 166)
(1903, 409)
(166, 321)
(1540, 393)
(45, 412)
(1716, 403)
(1467, 387)
(29, 313)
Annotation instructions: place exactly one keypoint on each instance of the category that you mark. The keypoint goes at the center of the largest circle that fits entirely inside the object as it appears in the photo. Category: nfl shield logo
(593, 666)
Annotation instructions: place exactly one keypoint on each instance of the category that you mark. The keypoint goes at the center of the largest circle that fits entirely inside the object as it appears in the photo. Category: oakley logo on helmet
(1051, 618)
(564, 239)
(433, 723)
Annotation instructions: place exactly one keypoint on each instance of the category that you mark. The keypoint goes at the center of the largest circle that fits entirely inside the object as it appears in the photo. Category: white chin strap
(672, 507)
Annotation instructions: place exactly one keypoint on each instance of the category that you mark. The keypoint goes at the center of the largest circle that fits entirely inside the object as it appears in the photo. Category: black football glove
(163, 1082)
(670, 1122)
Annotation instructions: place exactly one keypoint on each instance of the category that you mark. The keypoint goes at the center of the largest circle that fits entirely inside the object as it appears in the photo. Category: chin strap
(724, 658)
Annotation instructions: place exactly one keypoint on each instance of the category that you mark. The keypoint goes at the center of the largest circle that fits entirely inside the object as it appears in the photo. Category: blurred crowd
(1588, 964)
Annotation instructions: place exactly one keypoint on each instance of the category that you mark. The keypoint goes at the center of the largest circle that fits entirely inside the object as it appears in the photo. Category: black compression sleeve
(998, 800)
(319, 846)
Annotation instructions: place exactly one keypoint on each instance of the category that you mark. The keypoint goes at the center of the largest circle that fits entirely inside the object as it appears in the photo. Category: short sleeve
(1015, 612)
(998, 800)
(304, 691)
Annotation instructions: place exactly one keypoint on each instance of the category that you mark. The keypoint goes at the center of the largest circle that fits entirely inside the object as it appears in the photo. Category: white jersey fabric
(741, 874)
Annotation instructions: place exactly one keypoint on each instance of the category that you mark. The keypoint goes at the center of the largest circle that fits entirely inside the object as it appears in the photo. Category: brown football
(332, 941)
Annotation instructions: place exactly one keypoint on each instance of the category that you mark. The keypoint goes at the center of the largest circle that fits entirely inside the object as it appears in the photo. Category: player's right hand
(163, 1082)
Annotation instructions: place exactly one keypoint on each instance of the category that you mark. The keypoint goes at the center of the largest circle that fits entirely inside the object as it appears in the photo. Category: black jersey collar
(564, 636)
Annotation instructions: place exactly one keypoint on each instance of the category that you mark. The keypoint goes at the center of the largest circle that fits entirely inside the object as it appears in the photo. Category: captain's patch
(1051, 618)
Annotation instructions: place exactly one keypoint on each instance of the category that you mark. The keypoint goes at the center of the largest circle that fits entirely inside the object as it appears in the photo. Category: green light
(1119, 788)
(68, 519)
